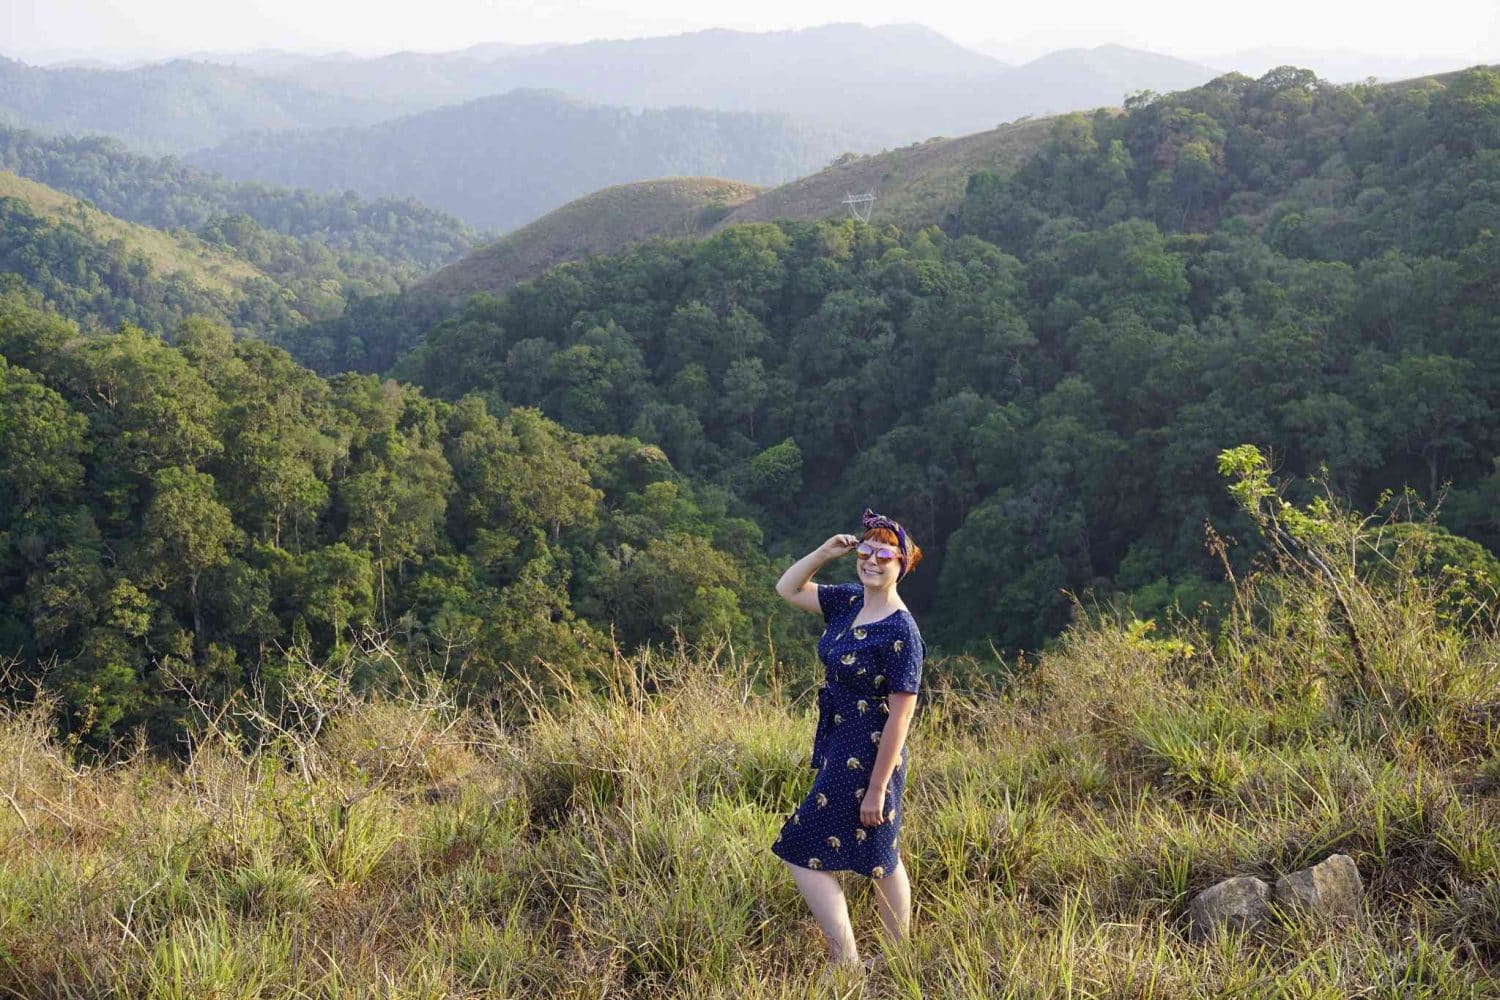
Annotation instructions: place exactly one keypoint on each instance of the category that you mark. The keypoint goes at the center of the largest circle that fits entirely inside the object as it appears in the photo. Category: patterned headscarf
(870, 519)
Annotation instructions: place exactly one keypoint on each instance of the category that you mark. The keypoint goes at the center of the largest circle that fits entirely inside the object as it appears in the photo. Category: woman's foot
(842, 973)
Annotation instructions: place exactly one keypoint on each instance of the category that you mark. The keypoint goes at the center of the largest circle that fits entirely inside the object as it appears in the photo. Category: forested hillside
(366, 246)
(500, 162)
(638, 441)
(1041, 392)
(102, 271)
(191, 519)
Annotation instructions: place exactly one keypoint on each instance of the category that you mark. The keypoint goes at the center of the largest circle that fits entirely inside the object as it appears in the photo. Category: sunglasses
(882, 555)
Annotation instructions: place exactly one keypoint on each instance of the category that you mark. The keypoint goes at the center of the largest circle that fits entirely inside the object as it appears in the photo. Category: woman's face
(874, 573)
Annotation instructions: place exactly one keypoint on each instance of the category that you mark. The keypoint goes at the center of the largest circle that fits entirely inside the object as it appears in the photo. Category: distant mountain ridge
(883, 85)
(715, 68)
(170, 107)
(888, 84)
(500, 162)
(879, 87)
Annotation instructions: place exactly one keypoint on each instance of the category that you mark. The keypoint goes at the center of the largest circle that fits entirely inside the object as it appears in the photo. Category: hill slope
(1065, 820)
(170, 254)
(102, 271)
(602, 222)
(918, 185)
(410, 238)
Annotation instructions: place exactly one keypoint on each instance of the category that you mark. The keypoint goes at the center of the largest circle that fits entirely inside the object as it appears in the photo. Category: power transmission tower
(860, 205)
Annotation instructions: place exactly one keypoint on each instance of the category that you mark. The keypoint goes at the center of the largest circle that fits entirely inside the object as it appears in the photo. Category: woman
(872, 654)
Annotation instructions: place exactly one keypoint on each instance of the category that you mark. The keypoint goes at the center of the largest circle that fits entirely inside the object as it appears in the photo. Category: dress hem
(845, 868)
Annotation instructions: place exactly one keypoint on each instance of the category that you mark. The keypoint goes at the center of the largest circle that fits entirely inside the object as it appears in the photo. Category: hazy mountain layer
(502, 161)
(891, 84)
(170, 107)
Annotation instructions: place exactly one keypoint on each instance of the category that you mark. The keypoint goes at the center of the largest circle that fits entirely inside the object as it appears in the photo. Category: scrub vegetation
(615, 842)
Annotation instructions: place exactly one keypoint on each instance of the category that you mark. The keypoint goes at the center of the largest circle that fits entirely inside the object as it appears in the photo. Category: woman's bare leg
(825, 897)
(893, 901)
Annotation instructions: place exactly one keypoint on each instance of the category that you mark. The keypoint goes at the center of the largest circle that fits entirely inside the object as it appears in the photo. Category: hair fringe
(886, 535)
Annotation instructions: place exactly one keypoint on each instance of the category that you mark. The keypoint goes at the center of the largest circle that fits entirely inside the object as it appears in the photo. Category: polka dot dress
(862, 664)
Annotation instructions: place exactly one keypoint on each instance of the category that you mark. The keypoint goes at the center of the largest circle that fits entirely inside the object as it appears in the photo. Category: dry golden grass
(915, 186)
(599, 223)
(1061, 814)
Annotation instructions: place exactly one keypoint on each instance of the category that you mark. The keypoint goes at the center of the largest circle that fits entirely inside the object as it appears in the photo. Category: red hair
(886, 535)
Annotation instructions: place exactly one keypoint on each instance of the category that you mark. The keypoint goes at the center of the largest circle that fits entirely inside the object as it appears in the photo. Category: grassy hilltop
(616, 845)
(601, 222)
(917, 185)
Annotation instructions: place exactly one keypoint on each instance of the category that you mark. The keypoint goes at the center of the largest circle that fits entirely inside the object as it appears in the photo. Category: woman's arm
(795, 585)
(903, 705)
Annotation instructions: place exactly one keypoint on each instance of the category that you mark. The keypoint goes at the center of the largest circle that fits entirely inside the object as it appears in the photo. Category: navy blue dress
(862, 664)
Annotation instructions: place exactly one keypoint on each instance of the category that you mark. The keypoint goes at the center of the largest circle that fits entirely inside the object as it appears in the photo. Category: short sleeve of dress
(834, 597)
(907, 653)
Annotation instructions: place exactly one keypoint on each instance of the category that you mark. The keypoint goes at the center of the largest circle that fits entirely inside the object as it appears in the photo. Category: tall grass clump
(614, 841)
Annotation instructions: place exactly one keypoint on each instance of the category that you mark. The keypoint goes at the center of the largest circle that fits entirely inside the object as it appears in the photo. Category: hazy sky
(39, 28)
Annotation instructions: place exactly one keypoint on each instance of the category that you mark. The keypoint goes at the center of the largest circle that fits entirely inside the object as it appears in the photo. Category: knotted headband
(870, 519)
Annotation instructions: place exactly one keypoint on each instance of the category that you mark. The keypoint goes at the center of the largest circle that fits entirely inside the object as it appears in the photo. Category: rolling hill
(597, 223)
(101, 271)
(170, 254)
(915, 186)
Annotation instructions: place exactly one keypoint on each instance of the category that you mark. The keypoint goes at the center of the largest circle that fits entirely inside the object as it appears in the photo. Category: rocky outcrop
(1331, 890)
(1237, 903)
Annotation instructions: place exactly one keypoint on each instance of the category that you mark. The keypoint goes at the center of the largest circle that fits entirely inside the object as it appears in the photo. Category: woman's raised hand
(838, 545)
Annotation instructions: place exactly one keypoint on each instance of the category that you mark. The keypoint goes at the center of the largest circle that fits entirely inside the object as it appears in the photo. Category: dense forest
(191, 517)
(1042, 389)
(635, 444)
(101, 280)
